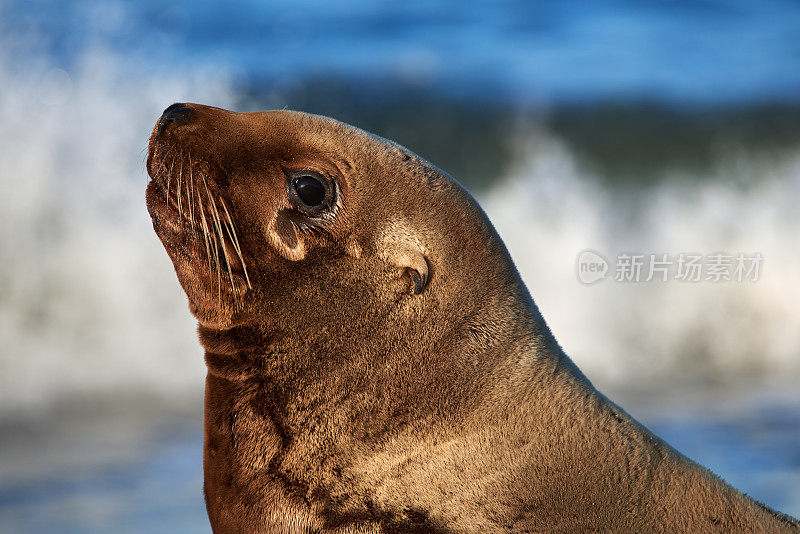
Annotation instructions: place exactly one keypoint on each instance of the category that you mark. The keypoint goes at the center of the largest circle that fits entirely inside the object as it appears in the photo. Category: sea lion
(375, 362)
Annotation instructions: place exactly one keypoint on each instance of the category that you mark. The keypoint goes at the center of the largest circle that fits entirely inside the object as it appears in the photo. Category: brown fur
(340, 400)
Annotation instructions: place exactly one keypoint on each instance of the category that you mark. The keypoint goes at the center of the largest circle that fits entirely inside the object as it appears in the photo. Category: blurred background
(621, 127)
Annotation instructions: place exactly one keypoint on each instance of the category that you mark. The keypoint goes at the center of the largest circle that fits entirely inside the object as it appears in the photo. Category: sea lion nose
(177, 113)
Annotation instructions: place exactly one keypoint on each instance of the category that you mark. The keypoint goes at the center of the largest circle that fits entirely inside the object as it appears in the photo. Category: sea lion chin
(375, 363)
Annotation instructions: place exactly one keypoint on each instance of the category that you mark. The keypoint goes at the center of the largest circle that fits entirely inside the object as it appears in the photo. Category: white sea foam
(88, 300)
(550, 209)
(89, 303)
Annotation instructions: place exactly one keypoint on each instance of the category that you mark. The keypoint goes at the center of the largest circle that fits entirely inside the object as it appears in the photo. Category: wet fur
(340, 400)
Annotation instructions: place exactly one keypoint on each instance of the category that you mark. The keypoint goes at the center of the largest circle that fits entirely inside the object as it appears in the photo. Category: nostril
(175, 114)
(176, 105)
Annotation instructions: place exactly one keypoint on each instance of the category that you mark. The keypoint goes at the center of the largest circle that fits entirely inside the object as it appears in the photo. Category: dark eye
(311, 193)
(310, 190)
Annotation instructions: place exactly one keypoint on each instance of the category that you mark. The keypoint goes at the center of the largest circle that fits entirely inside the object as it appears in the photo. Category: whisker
(221, 237)
(235, 240)
(216, 250)
(169, 177)
(206, 238)
(226, 226)
(219, 275)
(162, 169)
(180, 189)
(190, 190)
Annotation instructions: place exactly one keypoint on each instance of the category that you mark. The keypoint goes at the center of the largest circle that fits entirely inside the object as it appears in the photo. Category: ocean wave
(88, 300)
(550, 208)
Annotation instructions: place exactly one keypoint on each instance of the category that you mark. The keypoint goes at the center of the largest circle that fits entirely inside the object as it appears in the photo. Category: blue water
(154, 483)
(519, 51)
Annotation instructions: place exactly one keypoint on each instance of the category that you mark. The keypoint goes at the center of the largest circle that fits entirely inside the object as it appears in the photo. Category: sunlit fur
(383, 368)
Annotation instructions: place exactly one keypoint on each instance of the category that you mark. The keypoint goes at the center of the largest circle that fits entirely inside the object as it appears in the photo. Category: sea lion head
(303, 224)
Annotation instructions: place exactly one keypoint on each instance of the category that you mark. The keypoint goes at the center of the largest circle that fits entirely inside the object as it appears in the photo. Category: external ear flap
(402, 248)
(419, 276)
(413, 263)
(285, 237)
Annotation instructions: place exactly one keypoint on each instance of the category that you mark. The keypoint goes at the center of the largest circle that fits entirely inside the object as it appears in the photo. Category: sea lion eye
(310, 190)
(311, 193)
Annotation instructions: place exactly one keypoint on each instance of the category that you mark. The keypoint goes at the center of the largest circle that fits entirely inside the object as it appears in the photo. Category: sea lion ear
(403, 249)
(420, 277)
(412, 263)
(285, 237)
